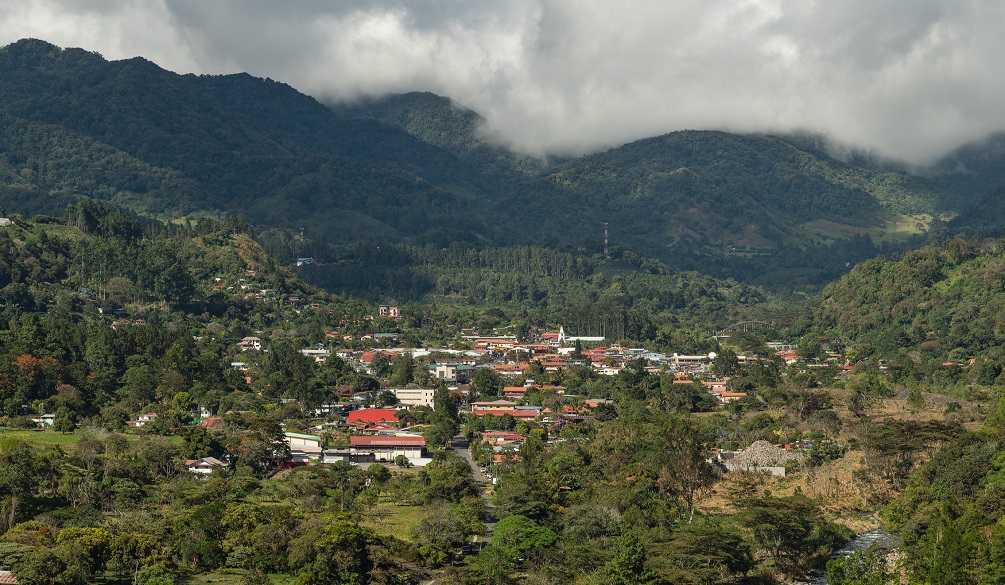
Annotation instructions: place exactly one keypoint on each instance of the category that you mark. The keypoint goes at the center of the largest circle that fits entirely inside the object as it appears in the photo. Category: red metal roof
(374, 415)
(386, 441)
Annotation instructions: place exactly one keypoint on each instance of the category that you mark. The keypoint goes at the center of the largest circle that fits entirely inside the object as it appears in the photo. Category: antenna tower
(606, 253)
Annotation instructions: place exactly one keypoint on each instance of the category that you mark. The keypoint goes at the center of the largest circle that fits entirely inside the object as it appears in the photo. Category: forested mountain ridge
(942, 302)
(246, 144)
(419, 168)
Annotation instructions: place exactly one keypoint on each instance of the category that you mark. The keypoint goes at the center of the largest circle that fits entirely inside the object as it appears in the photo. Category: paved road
(460, 446)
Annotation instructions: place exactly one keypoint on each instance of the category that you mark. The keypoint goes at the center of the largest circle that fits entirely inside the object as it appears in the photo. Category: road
(460, 445)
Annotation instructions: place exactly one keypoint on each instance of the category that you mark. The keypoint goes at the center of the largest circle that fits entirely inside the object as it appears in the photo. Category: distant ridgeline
(418, 168)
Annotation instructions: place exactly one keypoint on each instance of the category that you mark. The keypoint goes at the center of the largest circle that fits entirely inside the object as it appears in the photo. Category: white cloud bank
(909, 79)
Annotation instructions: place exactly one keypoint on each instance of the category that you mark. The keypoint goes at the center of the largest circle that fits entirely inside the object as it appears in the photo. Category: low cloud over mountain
(909, 79)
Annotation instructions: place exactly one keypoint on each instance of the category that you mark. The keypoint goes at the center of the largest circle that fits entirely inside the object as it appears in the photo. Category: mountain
(239, 144)
(751, 207)
(945, 300)
(444, 123)
(419, 168)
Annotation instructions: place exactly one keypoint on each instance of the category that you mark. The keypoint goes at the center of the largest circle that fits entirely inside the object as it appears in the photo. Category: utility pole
(607, 254)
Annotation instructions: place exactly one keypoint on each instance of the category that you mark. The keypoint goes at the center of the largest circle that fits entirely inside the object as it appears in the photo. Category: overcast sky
(909, 79)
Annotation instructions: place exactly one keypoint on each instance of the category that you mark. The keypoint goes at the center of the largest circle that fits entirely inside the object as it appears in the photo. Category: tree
(711, 551)
(520, 536)
(439, 531)
(862, 567)
(333, 549)
(23, 472)
(45, 567)
(627, 565)
(87, 547)
(683, 465)
(486, 382)
(791, 530)
(64, 421)
(726, 362)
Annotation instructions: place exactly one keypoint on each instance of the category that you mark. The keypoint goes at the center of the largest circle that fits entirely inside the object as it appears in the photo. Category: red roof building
(373, 416)
(387, 441)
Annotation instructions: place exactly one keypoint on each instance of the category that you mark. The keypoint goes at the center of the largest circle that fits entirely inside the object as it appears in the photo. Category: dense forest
(418, 168)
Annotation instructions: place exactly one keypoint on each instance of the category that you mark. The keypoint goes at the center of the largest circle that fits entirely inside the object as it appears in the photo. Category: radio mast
(607, 254)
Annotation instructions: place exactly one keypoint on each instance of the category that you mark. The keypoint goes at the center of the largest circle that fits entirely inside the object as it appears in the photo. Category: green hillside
(418, 168)
(946, 300)
(239, 143)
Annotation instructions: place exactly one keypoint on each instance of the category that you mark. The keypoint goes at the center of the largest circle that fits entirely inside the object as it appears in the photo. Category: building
(303, 448)
(389, 311)
(6, 577)
(203, 466)
(43, 420)
(319, 355)
(250, 342)
(364, 449)
(449, 371)
(564, 339)
(373, 416)
(143, 419)
(414, 396)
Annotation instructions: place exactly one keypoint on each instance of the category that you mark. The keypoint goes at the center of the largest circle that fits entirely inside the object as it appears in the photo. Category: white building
(203, 466)
(414, 396)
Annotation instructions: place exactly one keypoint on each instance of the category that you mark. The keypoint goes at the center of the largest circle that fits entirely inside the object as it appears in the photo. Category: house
(448, 371)
(364, 449)
(516, 392)
(501, 438)
(6, 577)
(492, 405)
(373, 416)
(414, 396)
(389, 311)
(319, 355)
(213, 423)
(143, 419)
(5, 222)
(43, 420)
(305, 261)
(203, 466)
(297, 440)
(731, 396)
(250, 342)
(715, 387)
(511, 369)
(688, 361)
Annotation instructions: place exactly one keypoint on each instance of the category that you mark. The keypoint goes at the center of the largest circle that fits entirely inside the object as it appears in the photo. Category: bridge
(744, 326)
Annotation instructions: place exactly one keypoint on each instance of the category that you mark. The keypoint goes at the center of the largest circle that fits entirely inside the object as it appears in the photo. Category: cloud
(909, 79)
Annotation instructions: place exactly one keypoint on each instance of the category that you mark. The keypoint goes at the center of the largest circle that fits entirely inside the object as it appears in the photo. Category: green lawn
(43, 437)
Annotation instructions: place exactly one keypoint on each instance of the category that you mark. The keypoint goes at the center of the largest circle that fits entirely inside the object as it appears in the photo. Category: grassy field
(43, 437)
(896, 228)
(48, 437)
(388, 519)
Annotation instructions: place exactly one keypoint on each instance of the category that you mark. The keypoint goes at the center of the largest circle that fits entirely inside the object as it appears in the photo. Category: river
(861, 541)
